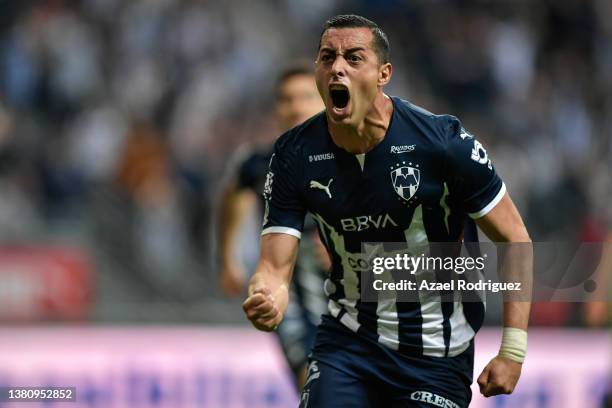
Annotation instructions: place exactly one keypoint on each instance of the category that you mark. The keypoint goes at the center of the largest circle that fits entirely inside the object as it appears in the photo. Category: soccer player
(374, 168)
(297, 99)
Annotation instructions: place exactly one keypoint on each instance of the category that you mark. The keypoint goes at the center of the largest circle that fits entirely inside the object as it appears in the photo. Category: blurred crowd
(119, 119)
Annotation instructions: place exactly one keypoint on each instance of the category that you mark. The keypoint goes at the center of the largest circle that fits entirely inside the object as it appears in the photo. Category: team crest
(405, 181)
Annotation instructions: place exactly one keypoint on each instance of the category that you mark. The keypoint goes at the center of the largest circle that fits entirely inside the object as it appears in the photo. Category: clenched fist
(499, 376)
(263, 309)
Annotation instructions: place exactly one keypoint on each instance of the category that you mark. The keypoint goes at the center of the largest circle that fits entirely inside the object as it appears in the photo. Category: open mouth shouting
(340, 97)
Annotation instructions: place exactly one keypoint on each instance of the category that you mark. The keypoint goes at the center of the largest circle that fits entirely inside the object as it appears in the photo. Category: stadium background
(120, 121)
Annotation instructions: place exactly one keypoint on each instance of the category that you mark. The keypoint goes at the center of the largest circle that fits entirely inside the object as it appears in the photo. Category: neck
(364, 136)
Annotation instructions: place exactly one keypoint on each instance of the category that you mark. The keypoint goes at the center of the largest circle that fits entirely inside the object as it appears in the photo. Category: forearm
(504, 226)
(278, 253)
(516, 314)
(266, 275)
(268, 293)
(517, 267)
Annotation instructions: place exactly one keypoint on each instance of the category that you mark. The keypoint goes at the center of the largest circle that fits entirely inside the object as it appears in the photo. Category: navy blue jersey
(415, 186)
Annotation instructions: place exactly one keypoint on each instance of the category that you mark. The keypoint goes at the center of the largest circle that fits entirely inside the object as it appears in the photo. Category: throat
(357, 140)
(366, 135)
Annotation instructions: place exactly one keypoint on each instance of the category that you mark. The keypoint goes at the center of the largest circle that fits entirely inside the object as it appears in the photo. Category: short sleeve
(470, 172)
(284, 211)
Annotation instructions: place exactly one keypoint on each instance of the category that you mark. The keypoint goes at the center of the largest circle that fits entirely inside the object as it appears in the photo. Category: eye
(326, 57)
(354, 58)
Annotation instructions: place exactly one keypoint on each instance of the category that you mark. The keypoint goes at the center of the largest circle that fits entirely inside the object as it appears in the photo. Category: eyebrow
(348, 51)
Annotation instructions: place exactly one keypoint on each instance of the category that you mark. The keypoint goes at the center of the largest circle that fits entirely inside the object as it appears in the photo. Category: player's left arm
(503, 224)
(473, 180)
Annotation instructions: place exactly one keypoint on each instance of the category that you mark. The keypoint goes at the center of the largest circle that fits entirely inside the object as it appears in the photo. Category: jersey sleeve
(471, 175)
(284, 211)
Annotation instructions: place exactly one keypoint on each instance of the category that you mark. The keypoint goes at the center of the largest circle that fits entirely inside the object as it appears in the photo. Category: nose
(339, 66)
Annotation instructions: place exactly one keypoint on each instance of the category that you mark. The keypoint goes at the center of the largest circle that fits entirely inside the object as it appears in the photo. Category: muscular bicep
(504, 223)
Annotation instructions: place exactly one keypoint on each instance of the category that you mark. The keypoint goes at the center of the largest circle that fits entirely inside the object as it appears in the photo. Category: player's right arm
(268, 292)
(282, 229)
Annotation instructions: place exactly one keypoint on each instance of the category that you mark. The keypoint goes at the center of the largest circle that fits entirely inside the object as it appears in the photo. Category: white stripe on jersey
(387, 322)
(461, 332)
(431, 307)
(432, 329)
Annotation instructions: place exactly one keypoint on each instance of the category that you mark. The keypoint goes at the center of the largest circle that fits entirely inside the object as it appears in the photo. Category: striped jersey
(416, 186)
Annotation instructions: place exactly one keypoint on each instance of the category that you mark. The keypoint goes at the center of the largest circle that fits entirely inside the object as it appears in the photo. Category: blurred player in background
(386, 171)
(297, 99)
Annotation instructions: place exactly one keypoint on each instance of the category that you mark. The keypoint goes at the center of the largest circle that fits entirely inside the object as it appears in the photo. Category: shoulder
(437, 128)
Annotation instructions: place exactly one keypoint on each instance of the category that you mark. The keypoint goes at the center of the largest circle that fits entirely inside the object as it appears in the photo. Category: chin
(342, 117)
(344, 120)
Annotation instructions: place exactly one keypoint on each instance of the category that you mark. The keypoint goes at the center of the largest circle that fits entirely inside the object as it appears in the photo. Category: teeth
(337, 87)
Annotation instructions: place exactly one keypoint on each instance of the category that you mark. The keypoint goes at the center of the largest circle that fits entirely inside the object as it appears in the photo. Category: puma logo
(316, 184)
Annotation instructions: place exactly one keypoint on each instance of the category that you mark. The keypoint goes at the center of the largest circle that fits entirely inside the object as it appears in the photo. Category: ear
(384, 74)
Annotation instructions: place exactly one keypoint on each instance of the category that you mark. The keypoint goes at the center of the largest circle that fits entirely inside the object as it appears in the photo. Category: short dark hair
(380, 42)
